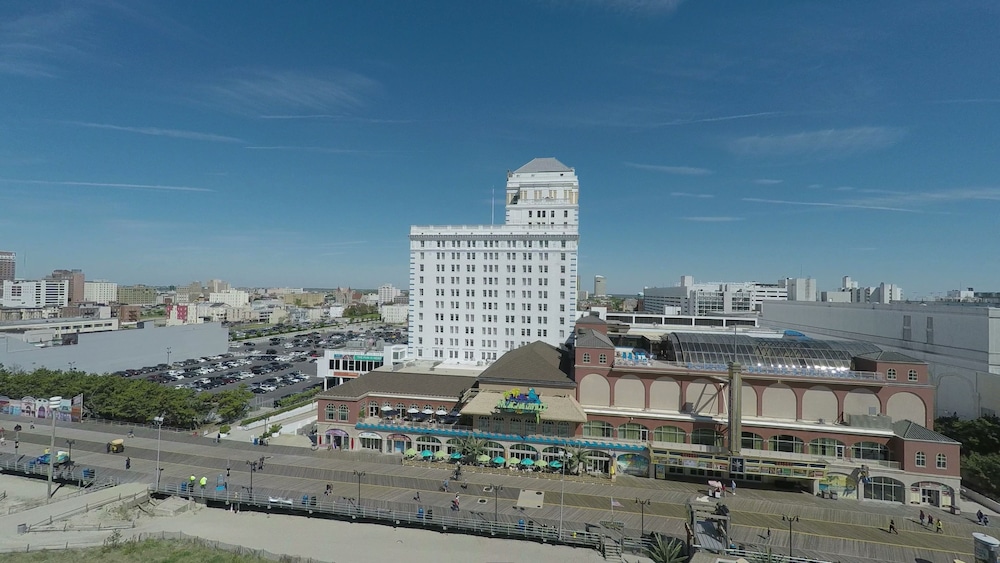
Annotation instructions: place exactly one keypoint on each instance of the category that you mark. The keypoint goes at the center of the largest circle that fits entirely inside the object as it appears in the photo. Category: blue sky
(295, 143)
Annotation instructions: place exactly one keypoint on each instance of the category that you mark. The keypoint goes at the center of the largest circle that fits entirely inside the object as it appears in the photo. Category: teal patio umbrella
(498, 460)
(456, 455)
(527, 461)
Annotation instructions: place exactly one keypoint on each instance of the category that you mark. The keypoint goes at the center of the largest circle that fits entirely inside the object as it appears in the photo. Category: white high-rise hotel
(477, 291)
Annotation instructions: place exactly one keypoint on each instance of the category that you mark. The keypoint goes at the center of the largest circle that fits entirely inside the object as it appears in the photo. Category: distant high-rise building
(387, 293)
(600, 286)
(477, 291)
(76, 283)
(711, 298)
(217, 286)
(8, 265)
(33, 294)
(136, 295)
(100, 291)
(801, 289)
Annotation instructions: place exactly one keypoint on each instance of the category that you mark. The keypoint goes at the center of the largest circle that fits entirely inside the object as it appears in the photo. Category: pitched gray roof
(591, 319)
(590, 338)
(401, 383)
(537, 363)
(544, 165)
(909, 430)
(887, 356)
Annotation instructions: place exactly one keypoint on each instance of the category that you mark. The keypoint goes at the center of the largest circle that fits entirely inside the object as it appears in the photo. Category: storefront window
(633, 431)
(827, 447)
(597, 429)
(671, 434)
(785, 443)
(752, 441)
(706, 437)
(870, 450)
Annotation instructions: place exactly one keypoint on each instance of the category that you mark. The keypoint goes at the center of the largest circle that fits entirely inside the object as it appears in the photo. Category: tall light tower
(54, 403)
(159, 426)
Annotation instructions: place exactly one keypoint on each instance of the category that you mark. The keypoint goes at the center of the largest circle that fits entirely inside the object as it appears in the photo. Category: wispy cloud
(141, 187)
(891, 197)
(844, 189)
(159, 132)
(37, 44)
(341, 118)
(828, 142)
(716, 119)
(722, 219)
(680, 170)
(827, 204)
(686, 194)
(329, 150)
(269, 92)
(767, 181)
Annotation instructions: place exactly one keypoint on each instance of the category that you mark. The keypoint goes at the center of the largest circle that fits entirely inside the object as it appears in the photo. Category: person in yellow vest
(203, 482)
(191, 484)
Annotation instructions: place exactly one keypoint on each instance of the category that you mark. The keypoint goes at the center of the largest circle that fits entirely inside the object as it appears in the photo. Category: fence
(348, 509)
(129, 501)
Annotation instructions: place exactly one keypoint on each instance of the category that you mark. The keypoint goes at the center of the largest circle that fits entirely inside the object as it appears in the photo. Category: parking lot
(271, 367)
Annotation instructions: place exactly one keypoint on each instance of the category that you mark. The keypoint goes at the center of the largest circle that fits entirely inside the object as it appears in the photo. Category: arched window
(870, 450)
(484, 423)
(911, 375)
(331, 411)
(548, 428)
(706, 437)
(785, 443)
(671, 434)
(563, 428)
(633, 431)
(942, 461)
(343, 412)
(921, 459)
(827, 447)
(890, 374)
(597, 429)
(752, 441)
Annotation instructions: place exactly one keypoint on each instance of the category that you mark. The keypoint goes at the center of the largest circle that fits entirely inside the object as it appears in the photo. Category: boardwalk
(846, 531)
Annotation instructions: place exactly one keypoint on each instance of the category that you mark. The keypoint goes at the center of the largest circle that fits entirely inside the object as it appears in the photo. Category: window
(597, 429)
(870, 450)
(603, 358)
(752, 441)
(785, 443)
(826, 447)
(633, 431)
(671, 434)
(942, 461)
(706, 437)
(586, 358)
(343, 412)
(921, 459)
(911, 375)
(890, 374)
(331, 412)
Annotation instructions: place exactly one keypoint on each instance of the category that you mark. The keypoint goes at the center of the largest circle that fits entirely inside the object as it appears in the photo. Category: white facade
(960, 343)
(477, 291)
(801, 289)
(231, 297)
(44, 331)
(100, 291)
(386, 293)
(34, 293)
(712, 298)
(336, 311)
(394, 314)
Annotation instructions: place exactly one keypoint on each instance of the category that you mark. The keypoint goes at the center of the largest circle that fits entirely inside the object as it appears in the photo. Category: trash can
(305, 500)
(955, 509)
(420, 513)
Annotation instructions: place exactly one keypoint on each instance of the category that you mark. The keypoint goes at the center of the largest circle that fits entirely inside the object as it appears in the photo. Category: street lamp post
(496, 506)
(254, 466)
(159, 426)
(562, 489)
(359, 475)
(169, 350)
(69, 443)
(642, 515)
(54, 403)
(72, 366)
(789, 519)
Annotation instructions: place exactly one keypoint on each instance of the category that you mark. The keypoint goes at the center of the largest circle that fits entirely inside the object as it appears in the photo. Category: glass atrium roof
(788, 352)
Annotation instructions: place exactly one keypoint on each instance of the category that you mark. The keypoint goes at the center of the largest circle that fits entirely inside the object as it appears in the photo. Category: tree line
(980, 440)
(128, 400)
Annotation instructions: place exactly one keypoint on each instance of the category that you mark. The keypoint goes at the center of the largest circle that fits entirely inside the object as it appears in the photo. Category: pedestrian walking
(227, 469)
(922, 517)
(131, 433)
(128, 463)
(930, 520)
(260, 465)
(444, 486)
(940, 528)
(892, 527)
(191, 481)
(417, 496)
(979, 516)
(733, 484)
(329, 489)
(769, 533)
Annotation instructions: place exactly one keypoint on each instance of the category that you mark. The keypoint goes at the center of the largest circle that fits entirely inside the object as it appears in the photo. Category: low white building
(712, 298)
(100, 291)
(336, 311)
(358, 358)
(54, 331)
(231, 297)
(34, 293)
(394, 314)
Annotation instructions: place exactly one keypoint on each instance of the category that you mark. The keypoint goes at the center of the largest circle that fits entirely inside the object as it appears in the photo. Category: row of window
(524, 427)
(493, 244)
(890, 374)
(602, 359)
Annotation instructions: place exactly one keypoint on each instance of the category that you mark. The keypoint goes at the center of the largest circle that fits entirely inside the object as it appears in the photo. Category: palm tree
(665, 549)
(575, 459)
(472, 447)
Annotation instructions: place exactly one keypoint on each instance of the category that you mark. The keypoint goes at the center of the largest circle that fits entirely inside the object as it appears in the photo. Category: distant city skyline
(152, 143)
